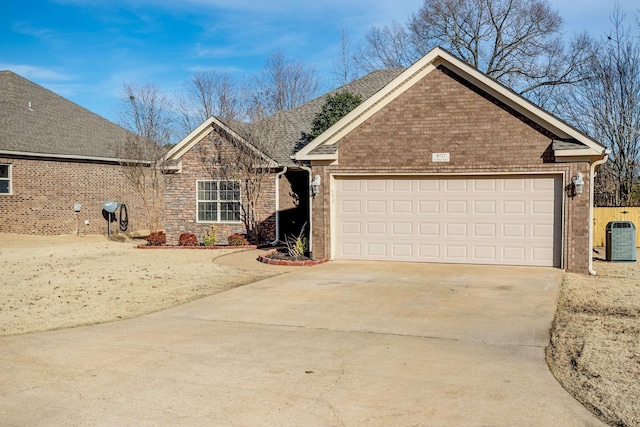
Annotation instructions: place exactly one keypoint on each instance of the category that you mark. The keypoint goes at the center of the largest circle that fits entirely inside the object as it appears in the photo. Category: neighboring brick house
(55, 157)
(441, 164)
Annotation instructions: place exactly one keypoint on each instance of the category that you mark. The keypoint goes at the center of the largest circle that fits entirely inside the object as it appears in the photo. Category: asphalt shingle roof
(287, 127)
(35, 120)
(564, 144)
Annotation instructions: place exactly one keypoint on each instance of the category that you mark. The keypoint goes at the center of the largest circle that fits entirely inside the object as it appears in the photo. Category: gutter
(278, 175)
(592, 172)
(308, 169)
(53, 156)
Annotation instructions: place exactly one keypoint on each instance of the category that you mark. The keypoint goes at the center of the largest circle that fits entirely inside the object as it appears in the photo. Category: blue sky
(85, 50)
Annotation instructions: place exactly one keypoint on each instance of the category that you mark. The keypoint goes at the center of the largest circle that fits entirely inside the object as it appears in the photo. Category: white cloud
(36, 73)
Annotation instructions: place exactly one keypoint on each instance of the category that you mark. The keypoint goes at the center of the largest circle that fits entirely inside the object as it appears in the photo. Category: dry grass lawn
(595, 343)
(52, 282)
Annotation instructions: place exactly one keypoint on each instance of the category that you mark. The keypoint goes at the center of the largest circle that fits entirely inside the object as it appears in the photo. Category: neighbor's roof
(37, 122)
(289, 125)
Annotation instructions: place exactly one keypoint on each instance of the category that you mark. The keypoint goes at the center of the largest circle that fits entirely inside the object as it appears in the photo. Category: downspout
(278, 175)
(308, 169)
(592, 173)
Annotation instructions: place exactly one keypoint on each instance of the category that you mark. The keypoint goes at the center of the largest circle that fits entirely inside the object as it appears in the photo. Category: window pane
(229, 190)
(207, 190)
(4, 171)
(4, 187)
(207, 211)
(229, 211)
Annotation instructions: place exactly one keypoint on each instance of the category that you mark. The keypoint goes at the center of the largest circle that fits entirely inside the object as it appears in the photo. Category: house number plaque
(440, 157)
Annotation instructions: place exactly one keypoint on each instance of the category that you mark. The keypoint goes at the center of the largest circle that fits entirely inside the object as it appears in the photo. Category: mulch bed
(277, 257)
(196, 247)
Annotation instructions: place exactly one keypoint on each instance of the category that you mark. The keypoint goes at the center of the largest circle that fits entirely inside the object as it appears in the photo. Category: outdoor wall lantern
(315, 185)
(578, 183)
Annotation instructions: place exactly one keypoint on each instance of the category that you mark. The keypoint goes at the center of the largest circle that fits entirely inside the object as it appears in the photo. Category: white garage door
(510, 220)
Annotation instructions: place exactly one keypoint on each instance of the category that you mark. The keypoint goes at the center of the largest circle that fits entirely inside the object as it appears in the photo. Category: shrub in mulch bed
(237, 240)
(188, 239)
(157, 238)
(197, 247)
(281, 257)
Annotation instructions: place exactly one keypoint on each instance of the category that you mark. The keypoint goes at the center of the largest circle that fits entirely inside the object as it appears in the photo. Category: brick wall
(442, 113)
(44, 193)
(199, 164)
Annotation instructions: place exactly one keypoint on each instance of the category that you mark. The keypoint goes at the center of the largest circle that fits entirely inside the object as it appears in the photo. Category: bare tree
(518, 42)
(389, 46)
(146, 113)
(607, 107)
(284, 84)
(345, 69)
(207, 94)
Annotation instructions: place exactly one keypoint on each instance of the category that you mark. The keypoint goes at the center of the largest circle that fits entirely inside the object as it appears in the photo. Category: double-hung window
(218, 201)
(5, 179)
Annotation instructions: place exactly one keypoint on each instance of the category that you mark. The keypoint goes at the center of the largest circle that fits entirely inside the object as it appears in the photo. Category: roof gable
(171, 159)
(37, 122)
(319, 150)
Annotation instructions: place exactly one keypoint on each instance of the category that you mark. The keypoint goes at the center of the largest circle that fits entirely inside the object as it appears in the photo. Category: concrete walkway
(337, 344)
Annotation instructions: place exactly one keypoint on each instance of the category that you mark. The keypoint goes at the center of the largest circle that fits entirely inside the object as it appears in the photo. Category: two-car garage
(497, 219)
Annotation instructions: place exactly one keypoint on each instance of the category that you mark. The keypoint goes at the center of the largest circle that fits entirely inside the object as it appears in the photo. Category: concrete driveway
(342, 343)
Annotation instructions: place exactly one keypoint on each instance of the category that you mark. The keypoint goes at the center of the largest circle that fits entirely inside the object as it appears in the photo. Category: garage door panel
(514, 207)
(430, 185)
(375, 186)
(350, 206)
(513, 184)
(454, 207)
(485, 253)
(484, 207)
(456, 252)
(429, 252)
(492, 220)
(455, 185)
(376, 250)
(429, 229)
(351, 250)
(428, 207)
(514, 253)
(402, 207)
(402, 229)
(484, 230)
(400, 185)
(402, 250)
(514, 231)
(542, 207)
(542, 230)
(456, 229)
(351, 227)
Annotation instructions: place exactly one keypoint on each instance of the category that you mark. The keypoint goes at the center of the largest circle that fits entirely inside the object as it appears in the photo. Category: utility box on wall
(621, 241)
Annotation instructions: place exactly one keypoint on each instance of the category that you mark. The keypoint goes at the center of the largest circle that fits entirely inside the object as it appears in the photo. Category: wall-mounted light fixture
(578, 184)
(315, 185)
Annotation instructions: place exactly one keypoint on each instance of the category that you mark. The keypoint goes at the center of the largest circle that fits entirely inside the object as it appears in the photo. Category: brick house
(55, 158)
(440, 163)
(193, 193)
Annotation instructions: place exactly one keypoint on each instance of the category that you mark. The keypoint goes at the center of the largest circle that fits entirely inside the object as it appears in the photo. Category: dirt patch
(52, 282)
(595, 342)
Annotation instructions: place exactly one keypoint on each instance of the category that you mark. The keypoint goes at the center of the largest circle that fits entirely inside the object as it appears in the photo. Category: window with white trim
(5, 179)
(218, 201)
